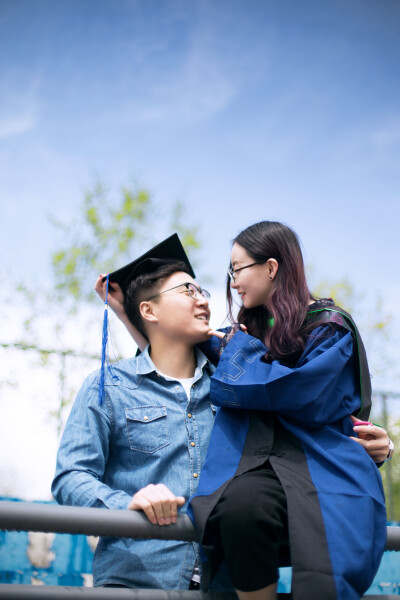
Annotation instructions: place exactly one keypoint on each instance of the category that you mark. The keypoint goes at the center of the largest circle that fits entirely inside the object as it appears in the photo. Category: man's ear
(147, 312)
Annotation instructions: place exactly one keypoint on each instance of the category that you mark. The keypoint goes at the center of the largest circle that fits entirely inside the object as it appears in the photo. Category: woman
(288, 437)
(282, 480)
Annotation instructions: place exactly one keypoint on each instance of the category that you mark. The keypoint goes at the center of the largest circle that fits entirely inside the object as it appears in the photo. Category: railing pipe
(48, 592)
(32, 516)
(393, 538)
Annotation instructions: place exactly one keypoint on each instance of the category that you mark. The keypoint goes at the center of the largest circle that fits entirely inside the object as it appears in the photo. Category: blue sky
(244, 110)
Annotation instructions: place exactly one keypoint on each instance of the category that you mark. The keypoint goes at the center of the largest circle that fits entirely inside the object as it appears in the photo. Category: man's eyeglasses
(232, 272)
(191, 289)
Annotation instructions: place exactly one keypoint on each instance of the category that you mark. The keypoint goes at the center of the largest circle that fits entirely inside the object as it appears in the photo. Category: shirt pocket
(147, 428)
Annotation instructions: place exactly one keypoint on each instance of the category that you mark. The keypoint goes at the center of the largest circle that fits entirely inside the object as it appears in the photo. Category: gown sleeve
(320, 389)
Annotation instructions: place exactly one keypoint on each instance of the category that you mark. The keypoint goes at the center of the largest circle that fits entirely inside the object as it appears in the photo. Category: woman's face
(255, 284)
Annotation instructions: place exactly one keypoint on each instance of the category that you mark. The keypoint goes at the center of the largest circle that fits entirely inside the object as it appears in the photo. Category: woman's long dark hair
(287, 304)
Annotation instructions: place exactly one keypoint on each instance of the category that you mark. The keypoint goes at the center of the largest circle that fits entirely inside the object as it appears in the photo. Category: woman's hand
(221, 334)
(225, 337)
(218, 334)
(115, 296)
(374, 439)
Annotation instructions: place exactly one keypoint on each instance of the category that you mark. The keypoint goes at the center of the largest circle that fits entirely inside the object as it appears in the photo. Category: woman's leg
(251, 517)
(268, 593)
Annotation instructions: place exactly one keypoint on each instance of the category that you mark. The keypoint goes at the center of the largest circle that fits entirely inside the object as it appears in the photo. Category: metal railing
(30, 516)
(48, 592)
(33, 516)
(43, 592)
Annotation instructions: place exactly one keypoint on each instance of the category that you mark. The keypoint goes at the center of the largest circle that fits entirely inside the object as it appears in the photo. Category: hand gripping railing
(30, 516)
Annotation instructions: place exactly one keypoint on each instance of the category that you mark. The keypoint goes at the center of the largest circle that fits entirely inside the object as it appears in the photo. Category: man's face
(180, 316)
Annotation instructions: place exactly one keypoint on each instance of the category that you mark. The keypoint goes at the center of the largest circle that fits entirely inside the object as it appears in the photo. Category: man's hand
(115, 296)
(374, 439)
(116, 303)
(158, 503)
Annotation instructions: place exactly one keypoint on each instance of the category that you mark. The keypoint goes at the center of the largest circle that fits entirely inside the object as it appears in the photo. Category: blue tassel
(104, 340)
(105, 360)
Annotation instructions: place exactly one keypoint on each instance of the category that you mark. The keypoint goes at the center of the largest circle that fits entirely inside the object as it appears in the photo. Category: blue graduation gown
(336, 505)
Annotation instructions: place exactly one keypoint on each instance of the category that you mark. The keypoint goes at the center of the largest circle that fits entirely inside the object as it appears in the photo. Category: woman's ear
(147, 312)
(273, 267)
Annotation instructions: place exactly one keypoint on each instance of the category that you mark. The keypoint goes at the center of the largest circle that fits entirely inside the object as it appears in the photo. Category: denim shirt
(146, 431)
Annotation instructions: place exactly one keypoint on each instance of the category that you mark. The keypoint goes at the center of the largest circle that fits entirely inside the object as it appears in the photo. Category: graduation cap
(168, 251)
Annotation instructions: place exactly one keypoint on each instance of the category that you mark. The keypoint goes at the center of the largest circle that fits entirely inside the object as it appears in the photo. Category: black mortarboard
(168, 251)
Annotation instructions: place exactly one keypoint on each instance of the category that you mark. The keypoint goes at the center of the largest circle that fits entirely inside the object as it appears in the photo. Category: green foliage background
(109, 231)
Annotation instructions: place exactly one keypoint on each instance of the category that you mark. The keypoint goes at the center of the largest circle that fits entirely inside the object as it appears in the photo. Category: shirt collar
(144, 364)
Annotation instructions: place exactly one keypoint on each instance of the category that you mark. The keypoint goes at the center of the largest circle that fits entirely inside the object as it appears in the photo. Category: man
(143, 446)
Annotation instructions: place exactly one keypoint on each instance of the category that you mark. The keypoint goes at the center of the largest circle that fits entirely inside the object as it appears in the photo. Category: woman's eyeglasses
(191, 289)
(232, 272)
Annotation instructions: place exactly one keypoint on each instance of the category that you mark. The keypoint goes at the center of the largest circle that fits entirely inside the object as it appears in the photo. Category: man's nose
(201, 300)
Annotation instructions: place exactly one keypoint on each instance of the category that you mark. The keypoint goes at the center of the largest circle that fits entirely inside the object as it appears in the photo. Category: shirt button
(192, 444)
(195, 475)
(190, 415)
(146, 418)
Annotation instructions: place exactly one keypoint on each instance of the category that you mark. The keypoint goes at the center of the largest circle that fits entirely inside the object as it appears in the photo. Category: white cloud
(200, 88)
(196, 92)
(388, 135)
(189, 85)
(17, 124)
(19, 102)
